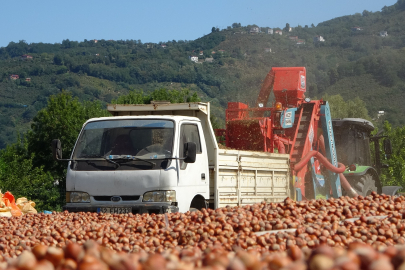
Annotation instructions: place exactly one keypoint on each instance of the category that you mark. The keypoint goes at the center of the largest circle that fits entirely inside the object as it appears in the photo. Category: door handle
(203, 176)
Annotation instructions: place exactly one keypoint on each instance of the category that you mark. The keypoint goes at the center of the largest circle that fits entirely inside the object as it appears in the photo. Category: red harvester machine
(295, 125)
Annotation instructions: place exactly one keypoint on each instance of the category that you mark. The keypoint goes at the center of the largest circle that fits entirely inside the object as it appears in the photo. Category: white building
(319, 39)
(254, 30)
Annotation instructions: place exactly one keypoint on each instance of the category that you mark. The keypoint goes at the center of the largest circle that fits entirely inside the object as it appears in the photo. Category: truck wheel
(364, 184)
(198, 203)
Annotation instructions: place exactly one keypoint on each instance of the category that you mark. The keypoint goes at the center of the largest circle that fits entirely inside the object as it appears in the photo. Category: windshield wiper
(125, 158)
(113, 162)
(92, 157)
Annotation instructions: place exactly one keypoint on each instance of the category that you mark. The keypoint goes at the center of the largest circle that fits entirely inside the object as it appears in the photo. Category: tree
(287, 27)
(340, 108)
(356, 108)
(400, 5)
(19, 176)
(395, 174)
(57, 60)
(62, 118)
(162, 94)
(333, 76)
(236, 25)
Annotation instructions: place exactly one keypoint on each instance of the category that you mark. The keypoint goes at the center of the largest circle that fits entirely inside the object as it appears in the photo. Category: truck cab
(135, 164)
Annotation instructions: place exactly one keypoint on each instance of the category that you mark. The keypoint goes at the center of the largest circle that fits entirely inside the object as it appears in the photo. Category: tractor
(353, 137)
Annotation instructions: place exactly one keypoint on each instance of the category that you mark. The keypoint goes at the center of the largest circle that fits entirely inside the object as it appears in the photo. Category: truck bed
(246, 177)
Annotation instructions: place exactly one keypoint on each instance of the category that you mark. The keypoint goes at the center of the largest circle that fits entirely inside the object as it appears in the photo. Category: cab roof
(175, 118)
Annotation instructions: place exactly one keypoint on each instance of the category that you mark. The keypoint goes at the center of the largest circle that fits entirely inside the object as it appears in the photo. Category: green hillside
(232, 63)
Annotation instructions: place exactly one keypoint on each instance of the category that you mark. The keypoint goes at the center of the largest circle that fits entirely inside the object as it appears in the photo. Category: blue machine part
(287, 118)
(318, 180)
(298, 194)
(330, 148)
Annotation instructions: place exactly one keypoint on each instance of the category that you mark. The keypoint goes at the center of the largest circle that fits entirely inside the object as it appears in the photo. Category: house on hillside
(26, 57)
(357, 28)
(209, 60)
(163, 45)
(194, 59)
(27, 79)
(290, 29)
(201, 53)
(383, 34)
(319, 39)
(267, 49)
(300, 41)
(293, 38)
(95, 41)
(254, 30)
(270, 31)
(279, 32)
(221, 51)
(14, 77)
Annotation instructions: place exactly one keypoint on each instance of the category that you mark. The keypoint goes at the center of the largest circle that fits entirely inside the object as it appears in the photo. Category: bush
(22, 179)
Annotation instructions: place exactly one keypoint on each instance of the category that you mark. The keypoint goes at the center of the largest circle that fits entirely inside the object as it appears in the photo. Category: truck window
(188, 133)
(149, 139)
(89, 144)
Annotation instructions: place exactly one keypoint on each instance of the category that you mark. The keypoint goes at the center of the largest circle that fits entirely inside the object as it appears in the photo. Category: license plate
(114, 210)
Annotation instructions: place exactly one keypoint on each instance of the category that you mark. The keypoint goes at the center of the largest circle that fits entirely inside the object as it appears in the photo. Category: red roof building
(26, 57)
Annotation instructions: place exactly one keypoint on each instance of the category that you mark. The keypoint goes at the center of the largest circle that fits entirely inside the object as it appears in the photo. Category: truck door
(193, 177)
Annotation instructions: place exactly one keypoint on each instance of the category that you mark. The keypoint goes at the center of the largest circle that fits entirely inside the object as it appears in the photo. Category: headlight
(160, 196)
(77, 197)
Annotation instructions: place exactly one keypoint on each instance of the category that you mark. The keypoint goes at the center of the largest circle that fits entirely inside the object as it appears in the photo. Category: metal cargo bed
(246, 177)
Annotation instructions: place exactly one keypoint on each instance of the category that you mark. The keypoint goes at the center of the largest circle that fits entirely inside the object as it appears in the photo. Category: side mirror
(190, 152)
(388, 147)
(56, 149)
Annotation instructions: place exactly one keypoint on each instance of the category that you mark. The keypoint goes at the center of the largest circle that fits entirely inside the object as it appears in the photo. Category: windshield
(142, 138)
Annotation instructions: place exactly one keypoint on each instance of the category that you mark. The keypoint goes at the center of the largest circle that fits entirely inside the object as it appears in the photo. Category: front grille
(124, 198)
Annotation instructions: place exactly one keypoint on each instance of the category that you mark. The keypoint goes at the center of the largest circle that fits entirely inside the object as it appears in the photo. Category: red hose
(322, 159)
(321, 142)
(280, 144)
(345, 184)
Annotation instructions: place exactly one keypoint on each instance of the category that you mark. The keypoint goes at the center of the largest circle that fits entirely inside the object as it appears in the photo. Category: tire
(364, 184)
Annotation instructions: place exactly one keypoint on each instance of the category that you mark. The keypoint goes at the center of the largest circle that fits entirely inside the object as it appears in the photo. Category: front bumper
(156, 208)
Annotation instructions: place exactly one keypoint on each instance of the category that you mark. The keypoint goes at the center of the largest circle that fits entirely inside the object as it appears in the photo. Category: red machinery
(293, 125)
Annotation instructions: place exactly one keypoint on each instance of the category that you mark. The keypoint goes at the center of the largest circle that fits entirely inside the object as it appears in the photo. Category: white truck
(163, 157)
